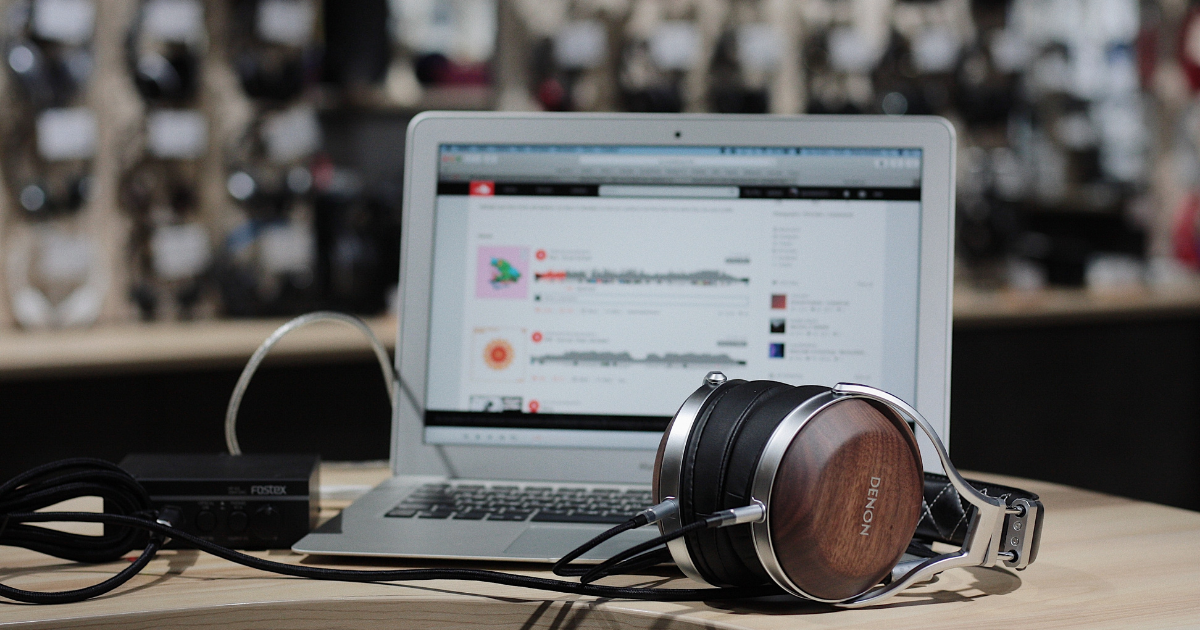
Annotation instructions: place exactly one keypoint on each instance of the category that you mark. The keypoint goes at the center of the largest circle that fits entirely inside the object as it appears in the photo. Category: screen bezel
(428, 131)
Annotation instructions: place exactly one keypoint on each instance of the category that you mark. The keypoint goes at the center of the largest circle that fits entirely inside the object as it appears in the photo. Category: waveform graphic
(612, 359)
(634, 276)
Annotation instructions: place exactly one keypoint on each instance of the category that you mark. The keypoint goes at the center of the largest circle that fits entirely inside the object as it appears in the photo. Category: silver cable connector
(165, 523)
(754, 513)
(656, 513)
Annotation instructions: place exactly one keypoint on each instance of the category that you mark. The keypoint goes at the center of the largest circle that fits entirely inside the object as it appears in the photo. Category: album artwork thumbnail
(502, 272)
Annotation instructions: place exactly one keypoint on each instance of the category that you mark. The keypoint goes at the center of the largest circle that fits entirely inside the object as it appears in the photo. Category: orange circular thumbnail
(498, 354)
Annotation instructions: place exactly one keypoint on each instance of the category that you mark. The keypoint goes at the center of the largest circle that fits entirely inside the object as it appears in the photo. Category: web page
(583, 312)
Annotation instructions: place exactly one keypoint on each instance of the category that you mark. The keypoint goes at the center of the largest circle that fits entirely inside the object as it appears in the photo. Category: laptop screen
(581, 293)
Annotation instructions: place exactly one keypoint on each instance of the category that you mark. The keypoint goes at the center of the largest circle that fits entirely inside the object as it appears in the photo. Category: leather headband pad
(945, 515)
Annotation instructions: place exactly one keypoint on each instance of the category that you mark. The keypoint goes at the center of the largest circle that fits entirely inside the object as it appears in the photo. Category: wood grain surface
(1106, 562)
(846, 500)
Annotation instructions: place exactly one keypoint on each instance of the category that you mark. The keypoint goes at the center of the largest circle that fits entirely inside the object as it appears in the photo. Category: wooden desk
(1105, 562)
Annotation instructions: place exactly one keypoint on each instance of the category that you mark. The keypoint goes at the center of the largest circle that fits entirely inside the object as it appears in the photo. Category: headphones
(31, 306)
(830, 483)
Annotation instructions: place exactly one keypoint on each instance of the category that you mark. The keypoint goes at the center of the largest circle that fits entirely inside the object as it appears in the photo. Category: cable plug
(656, 513)
(754, 513)
(169, 516)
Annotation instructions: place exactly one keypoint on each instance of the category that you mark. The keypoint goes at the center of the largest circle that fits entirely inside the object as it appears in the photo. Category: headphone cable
(128, 518)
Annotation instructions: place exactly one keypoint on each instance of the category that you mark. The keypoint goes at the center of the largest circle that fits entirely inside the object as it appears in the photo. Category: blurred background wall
(177, 171)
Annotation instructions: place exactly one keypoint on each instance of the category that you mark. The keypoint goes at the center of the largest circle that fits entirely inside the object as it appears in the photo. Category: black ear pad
(702, 477)
(686, 470)
(742, 396)
(740, 463)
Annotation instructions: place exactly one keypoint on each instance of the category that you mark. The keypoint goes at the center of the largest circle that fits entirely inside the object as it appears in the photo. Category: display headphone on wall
(762, 488)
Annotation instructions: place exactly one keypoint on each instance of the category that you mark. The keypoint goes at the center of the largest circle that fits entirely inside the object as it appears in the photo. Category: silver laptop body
(566, 280)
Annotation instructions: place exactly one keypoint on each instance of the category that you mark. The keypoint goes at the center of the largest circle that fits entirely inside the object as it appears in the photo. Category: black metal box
(244, 502)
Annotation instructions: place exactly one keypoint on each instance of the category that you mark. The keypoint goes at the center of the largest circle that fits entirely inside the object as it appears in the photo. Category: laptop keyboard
(516, 503)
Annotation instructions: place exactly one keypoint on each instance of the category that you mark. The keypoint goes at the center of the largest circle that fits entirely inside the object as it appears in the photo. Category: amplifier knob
(238, 521)
(206, 521)
(266, 523)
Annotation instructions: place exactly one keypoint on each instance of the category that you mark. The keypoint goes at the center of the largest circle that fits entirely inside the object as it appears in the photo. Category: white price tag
(285, 21)
(67, 133)
(759, 46)
(582, 44)
(1010, 51)
(475, 40)
(675, 45)
(65, 257)
(292, 134)
(66, 21)
(180, 251)
(174, 20)
(464, 30)
(936, 50)
(1117, 20)
(286, 248)
(850, 50)
(176, 133)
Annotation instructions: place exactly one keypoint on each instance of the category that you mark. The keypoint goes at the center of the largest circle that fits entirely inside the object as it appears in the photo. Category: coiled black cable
(130, 517)
(58, 481)
(66, 479)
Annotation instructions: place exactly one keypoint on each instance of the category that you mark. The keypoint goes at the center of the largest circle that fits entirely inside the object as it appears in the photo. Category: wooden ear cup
(845, 500)
(841, 480)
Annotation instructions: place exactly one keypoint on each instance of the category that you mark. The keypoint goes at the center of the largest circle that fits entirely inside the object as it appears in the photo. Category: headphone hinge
(1018, 539)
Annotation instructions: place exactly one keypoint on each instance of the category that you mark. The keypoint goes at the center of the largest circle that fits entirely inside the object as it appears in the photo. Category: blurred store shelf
(976, 308)
(228, 343)
(177, 346)
(449, 97)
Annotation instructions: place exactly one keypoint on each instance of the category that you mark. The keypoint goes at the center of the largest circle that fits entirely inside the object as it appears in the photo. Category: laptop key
(402, 513)
(508, 516)
(471, 515)
(550, 516)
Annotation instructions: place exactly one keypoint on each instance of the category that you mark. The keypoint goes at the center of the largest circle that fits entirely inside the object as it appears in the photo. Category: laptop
(567, 280)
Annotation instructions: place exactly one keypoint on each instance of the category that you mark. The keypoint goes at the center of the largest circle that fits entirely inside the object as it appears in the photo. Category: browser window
(580, 293)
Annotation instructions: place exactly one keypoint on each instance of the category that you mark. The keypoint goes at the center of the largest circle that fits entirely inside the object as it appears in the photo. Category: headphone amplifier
(243, 501)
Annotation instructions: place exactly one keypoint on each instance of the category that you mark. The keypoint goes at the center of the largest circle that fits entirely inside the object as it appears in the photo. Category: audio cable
(647, 553)
(130, 523)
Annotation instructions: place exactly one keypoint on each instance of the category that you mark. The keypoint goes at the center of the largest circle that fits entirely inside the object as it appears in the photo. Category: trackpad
(554, 541)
